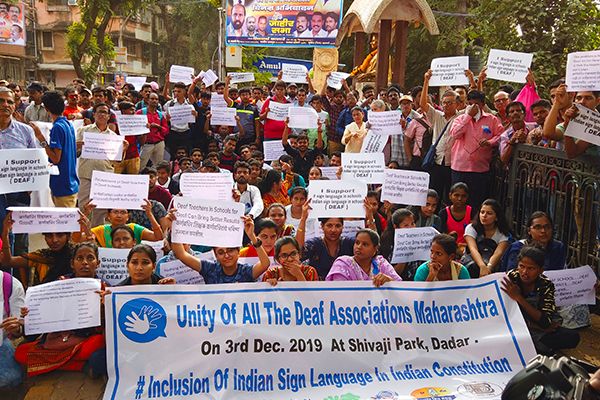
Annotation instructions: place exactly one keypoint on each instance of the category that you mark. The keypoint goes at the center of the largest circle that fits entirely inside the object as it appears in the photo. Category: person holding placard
(266, 231)
(13, 299)
(141, 267)
(249, 118)
(274, 189)
(77, 350)
(249, 194)
(131, 161)
(179, 134)
(226, 268)
(365, 263)
(443, 265)
(355, 133)
(117, 217)
(154, 148)
(303, 156)
(534, 292)
(99, 95)
(401, 218)
(575, 147)
(287, 255)
(273, 129)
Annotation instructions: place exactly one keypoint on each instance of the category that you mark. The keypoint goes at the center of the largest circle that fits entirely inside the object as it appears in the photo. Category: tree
(87, 41)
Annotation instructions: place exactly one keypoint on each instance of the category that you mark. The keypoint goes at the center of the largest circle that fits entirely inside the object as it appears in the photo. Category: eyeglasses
(500, 100)
(102, 112)
(287, 256)
(539, 227)
(230, 251)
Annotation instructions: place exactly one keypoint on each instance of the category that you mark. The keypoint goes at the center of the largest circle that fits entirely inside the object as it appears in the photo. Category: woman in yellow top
(355, 132)
(116, 217)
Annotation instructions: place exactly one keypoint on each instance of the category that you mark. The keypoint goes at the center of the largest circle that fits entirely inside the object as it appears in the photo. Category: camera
(552, 378)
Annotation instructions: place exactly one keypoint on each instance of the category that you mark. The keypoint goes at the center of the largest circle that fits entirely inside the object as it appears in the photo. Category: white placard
(573, 286)
(62, 306)
(79, 123)
(373, 143)
(100, 146)
(337, 199)
(136, 81)
(586, 126)
(182, 274)
(209, 186)
(294, 73)
(273, 149)
(255, 260)
(335, 79)
(119, 190)
(209, 77)
(45, 127)
(223, 116)
(330, 172)
(182, 115)
(449, 71)
(385, 122)
(412, 244)
(157, 246)
(405, 187)
(303, 118)
(113, 265)
(44, 219)
(179, 73)
(217, 101)
(278, 111)
(132, 125)
(239, 77)
(208, 222)
(583, 71)
(23, 170)
(510, 66)
(363, 167)
(350, 228)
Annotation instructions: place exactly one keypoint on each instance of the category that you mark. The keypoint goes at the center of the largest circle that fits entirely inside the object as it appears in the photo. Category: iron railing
(568, 190)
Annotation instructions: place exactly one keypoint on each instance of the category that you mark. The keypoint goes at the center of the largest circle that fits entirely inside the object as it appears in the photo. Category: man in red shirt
(131, 163)
(273, 129)
(154, 148)
(72, 109)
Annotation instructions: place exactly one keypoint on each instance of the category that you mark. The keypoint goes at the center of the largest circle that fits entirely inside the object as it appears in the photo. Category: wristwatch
(257, 244)
(44, 143)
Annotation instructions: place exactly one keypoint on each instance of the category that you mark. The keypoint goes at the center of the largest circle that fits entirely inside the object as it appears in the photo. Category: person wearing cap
(85, 97)
(398, 152)
(36, 111)
(292, 91)
(3, 83)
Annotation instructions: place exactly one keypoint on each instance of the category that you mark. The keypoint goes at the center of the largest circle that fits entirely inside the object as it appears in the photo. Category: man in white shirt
(249, 194)
(12, 298)
(316, 26)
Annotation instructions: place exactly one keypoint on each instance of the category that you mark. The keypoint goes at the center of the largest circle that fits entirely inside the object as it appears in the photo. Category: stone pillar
(324, 61)
(400, 53)
(383, 53)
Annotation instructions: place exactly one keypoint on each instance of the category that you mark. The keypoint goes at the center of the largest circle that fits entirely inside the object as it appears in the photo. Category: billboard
(274, 64)
(303, 23)
(12, 24)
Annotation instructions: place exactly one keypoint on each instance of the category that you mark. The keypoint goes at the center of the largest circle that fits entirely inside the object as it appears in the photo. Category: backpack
(427, 136)
(6, 290)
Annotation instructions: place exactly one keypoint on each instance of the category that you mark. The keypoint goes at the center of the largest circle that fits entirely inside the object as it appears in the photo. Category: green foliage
(250, 55)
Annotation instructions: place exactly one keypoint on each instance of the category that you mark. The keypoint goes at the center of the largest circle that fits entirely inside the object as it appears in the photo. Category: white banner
(573, 285)
(136, 81)
(118, 190)
(449, 71)
(208, 222)
(273, 149)
(209, 186)
(62, 305)
(583, 71)
(363, 167)
(335, 79)
(113, 265)
(586, 126)
(132, 125)
(181, 115)
(278, 111)
(240, 77)
(373, 143)
(405, 187)
(223, 116)
(44, 219)
(385, 122)
(179, 73)
(339, 340)
(100, 146)
(303, 118)
(294, 73)
(510, 66)
(23, 170)
(412, 244)
(337, 199)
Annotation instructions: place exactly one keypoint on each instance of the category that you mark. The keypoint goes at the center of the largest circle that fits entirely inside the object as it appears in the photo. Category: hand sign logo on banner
(142, 320)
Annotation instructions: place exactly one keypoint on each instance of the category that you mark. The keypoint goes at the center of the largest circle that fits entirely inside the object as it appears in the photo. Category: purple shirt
(344, 268)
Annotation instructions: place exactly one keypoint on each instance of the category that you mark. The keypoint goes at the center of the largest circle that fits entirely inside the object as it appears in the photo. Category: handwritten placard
(374, 143)
(210, 186)
(337, 199)
(412, 244)
(240, 77)
(113, 265)
(334, 80)
(573, 286)
(510, 66)
(119, 190)
(273, 149)
(209, 77)
(182, 115)
(405, 187)
(294, 73)
(179, 73)
(132, 125)
(278, 111)
(363, 167)
(136, 81)
(223, 116)
(44, 219)
(330, 172)
(217, 101)
(448, 71)
(385, 122)
(586, 126)
(583, 71)
(302, 118)
(182, 274)
(100, 146)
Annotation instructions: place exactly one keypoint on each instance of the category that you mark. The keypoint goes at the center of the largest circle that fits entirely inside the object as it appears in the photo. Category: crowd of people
(461, 127)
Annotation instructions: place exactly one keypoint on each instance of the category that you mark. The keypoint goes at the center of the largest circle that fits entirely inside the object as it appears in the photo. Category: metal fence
(568, 190)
